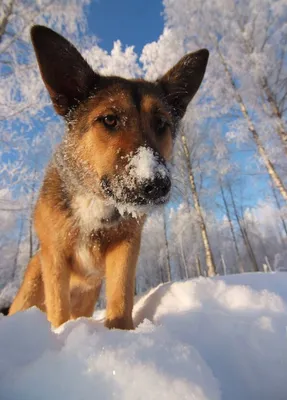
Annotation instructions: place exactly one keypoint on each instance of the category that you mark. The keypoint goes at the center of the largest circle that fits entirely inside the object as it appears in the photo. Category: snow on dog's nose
(150, 172)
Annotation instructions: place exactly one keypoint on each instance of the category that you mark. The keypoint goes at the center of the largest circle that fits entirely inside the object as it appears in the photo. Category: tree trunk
(31, 216)
(279, 209)
(183, 259)
(168, 271)
(18, 249)
(281, 131)
(211, 268)
(243, 233)
(223, 264)
(161, 274)
(198, 266)
(240, 264)
(180, 266)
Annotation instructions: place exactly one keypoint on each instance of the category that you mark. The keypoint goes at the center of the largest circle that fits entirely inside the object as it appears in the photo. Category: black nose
(156, 188)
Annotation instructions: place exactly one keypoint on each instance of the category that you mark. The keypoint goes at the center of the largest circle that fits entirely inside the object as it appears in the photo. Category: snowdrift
(222, 338)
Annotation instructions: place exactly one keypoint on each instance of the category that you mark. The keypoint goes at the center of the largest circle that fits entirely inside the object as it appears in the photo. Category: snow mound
(222, 338)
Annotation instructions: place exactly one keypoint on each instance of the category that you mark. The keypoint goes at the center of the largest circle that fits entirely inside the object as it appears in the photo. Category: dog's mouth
(147, 193)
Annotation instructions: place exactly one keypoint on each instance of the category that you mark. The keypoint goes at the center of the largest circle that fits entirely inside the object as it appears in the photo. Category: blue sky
(134, 22)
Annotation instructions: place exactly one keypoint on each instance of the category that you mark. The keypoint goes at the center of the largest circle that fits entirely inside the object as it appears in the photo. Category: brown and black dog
(108, 171)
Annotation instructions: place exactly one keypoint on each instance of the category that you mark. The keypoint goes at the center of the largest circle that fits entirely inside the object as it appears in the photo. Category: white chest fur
(88, 264)
(91, 212)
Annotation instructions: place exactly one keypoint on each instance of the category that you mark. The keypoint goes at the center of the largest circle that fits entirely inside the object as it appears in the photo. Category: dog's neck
(70, 174)
(92, 213)
(90, 210)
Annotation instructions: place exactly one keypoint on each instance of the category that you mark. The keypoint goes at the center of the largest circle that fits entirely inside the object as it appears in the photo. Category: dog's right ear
(182, 81)
(67, 76)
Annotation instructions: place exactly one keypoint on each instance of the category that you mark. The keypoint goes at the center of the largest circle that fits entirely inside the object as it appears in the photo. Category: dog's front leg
(121, 260)
(56, 275)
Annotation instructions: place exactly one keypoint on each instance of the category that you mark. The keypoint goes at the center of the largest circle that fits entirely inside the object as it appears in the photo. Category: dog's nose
(156, 188)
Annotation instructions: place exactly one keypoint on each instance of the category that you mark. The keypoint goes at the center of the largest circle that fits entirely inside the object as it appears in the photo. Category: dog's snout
(156, 188)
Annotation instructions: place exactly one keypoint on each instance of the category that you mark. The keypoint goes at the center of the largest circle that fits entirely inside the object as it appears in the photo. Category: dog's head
(120, 132)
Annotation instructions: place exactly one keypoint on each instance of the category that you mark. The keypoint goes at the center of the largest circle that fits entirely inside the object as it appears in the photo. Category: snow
(221, 338)
(144, 164)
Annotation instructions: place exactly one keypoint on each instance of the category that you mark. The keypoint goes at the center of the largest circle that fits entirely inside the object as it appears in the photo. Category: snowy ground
(201, 339)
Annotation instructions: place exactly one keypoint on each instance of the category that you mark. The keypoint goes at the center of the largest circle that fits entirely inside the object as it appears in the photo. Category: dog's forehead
(131, 94)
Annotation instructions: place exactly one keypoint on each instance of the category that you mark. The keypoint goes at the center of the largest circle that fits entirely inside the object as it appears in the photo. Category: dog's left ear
(67, 76)
(182, 81)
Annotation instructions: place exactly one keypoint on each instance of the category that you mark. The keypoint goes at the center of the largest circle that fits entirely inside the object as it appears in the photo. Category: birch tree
(232, 230)
(212, 24)
(211, 268)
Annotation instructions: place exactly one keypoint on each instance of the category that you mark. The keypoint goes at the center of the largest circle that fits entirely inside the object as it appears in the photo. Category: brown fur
(82, 240)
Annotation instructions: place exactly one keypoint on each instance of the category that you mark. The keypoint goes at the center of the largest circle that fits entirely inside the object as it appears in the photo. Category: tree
(208, 23)
(211, 268)
(17, 62)
(243, 231)
(271, 82)
(168, 266)
(230, 223)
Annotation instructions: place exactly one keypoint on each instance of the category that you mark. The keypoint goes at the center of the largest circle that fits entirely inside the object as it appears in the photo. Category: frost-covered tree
(22, 93)
(209, 258)
(24, 111)
(236, 71)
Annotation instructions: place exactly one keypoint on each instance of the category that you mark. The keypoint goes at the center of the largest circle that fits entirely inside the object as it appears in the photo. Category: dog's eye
(110, 121)
(161, 126)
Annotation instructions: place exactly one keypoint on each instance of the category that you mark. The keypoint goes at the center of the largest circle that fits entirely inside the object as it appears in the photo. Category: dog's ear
(182, 81)
(67, 76)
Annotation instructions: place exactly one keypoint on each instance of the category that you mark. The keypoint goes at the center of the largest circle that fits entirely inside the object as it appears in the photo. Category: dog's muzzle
(143, 180)
(148, 192)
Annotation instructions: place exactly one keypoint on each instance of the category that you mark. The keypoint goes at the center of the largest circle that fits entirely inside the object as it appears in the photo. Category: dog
(109, 171)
